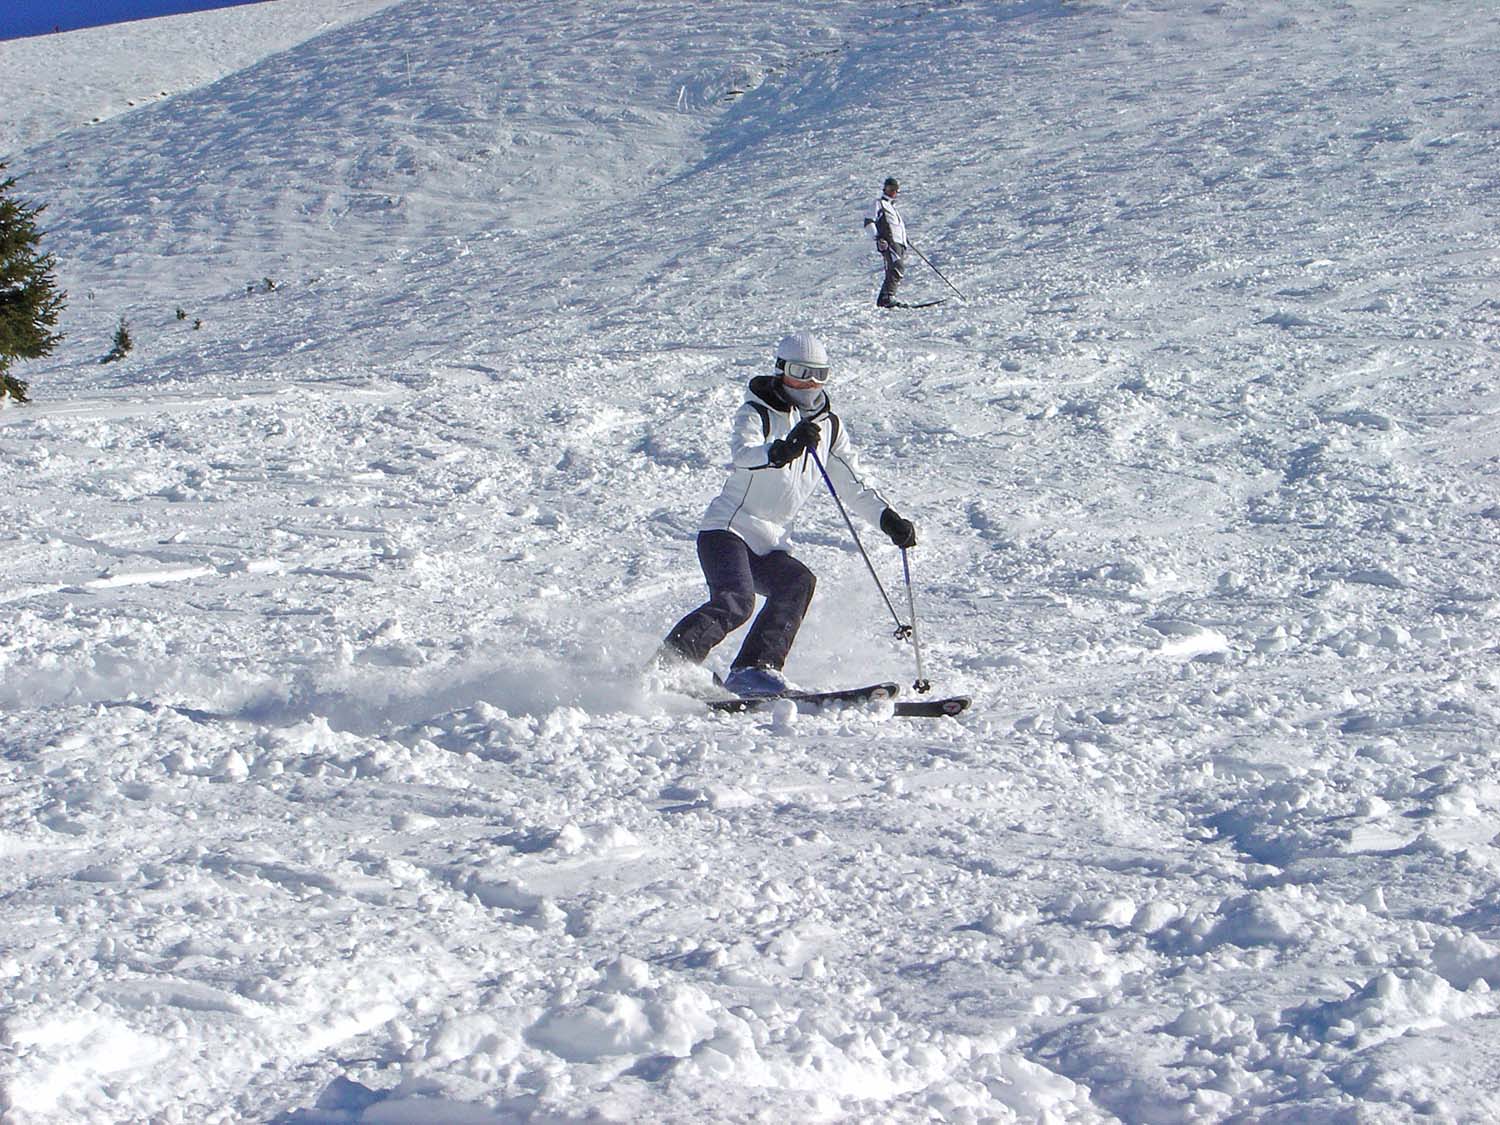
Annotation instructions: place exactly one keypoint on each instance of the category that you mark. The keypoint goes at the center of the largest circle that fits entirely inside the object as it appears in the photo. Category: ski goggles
(805, 373)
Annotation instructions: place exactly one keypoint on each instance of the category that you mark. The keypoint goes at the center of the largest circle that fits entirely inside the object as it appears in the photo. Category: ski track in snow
(331, 793)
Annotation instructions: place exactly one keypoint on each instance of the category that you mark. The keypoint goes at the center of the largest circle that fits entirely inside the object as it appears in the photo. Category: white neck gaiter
(809, 400)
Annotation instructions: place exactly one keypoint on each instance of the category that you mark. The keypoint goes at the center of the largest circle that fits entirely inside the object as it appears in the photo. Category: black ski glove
(805, 435)
(903, 533)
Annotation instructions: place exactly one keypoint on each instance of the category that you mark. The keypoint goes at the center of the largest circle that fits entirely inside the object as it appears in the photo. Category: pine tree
(122, 342)
(29, 299)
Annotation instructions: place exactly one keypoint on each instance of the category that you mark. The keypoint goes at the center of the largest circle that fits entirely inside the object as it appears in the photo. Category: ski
(810, 700)
(917, 304)
(932, 708)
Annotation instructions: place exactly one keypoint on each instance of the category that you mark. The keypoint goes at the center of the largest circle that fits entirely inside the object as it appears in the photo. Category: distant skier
(884, 222)
(743, 540)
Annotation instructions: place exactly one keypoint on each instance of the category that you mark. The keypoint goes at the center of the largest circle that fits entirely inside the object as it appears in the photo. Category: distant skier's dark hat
(890, 182)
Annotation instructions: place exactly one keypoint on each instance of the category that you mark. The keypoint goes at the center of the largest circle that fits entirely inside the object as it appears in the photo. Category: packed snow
(331, 790)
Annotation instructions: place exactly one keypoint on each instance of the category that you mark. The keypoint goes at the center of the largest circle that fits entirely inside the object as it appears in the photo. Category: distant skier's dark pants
(735, 575)
(895, 270)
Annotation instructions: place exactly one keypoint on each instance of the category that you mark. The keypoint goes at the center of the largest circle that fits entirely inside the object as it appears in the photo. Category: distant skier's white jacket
(886, 221)
(759, 500)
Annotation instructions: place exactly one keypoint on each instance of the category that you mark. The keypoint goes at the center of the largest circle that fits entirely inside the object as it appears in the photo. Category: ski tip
(933, 708)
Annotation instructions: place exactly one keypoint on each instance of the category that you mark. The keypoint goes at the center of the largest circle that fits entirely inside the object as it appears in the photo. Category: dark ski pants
(895, 270)
(735, 575)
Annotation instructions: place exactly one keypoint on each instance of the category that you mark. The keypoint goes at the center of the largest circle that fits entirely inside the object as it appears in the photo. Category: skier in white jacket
(743, 542)
(885, 223)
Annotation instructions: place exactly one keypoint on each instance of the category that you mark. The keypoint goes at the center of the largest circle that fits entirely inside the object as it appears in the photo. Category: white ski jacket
(886, 221)
(759, 500)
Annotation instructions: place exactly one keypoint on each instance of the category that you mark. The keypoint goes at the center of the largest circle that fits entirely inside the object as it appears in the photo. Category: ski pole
(902, 631)
(937, 271)
(922, 683)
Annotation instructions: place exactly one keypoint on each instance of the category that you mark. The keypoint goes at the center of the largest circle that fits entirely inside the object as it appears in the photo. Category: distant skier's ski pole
(922, 683)
(937, 271)
(902, 631)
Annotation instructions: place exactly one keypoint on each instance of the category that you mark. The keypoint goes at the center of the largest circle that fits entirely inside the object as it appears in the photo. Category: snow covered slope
(125, 65)
(330, 792)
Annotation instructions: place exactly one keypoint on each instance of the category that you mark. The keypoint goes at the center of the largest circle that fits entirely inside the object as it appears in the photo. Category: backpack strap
(765, 419)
